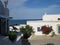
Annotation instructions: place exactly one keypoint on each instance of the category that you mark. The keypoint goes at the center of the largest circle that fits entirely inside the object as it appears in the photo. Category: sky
(32, 9)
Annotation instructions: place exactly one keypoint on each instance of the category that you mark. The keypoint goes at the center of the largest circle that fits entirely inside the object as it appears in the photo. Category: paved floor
(35, 40)
(4, 40)
(45, 40)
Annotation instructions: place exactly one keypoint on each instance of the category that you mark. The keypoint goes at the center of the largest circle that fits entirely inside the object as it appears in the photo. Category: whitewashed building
(51, 20)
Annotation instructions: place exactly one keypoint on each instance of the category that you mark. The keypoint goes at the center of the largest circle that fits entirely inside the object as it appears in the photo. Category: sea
(14, 22)
(20, 21)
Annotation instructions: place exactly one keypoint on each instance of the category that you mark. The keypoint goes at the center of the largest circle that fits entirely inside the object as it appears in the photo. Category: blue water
(23, 21)
(59, 29)
(13, 22)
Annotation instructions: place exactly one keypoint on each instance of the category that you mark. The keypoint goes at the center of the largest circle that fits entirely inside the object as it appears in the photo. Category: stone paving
(5, 41)
(35, 40)
(45, 40)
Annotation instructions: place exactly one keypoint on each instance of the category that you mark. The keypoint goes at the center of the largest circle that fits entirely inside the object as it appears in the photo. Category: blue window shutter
(58, 29)
(38, 29)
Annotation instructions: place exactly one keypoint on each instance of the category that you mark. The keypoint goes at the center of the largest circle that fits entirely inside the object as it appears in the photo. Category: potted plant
(12, 36)
(26, 31)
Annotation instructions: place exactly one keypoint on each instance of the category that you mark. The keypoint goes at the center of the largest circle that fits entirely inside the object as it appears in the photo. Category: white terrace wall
(50, 17)
(39, 23)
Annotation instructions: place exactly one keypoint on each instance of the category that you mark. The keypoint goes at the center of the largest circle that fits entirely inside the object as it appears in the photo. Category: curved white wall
(51, 17)
(36, 24)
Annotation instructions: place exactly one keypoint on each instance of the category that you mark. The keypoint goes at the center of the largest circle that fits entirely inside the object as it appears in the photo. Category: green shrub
(12, 36)
(26, 31)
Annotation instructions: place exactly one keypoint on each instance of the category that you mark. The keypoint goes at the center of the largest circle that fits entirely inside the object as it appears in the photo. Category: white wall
(22, 25)
(52, 17)
(36, 24)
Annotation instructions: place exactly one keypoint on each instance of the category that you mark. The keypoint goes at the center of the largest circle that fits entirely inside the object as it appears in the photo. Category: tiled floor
(35, 40)
(45, 40)
(4, 40)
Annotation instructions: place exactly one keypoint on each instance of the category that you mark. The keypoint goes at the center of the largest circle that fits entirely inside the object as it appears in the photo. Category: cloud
(52, 9)
(54, 6)
(25, 13)
(16, 3)
(19, 11)
(57, 0)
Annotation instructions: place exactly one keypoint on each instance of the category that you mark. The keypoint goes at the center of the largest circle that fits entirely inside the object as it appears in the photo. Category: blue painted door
(58, 29)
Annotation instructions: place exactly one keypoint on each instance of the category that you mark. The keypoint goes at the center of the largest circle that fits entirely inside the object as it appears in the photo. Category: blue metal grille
(58, 29)
(38, 29)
